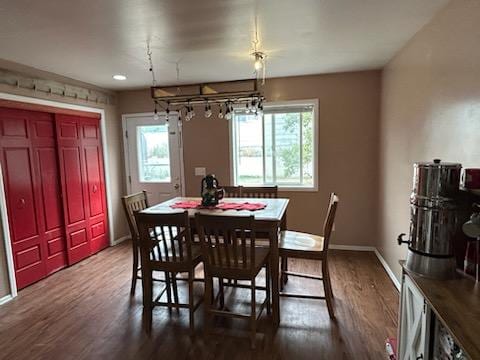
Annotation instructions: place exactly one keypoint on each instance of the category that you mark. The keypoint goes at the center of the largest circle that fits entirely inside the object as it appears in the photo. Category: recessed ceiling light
(119, 77)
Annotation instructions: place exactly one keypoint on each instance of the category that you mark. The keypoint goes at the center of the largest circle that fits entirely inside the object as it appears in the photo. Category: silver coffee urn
(433, 219)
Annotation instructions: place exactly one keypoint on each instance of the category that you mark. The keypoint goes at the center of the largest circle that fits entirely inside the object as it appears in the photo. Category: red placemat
(195, 204)
(186, 205)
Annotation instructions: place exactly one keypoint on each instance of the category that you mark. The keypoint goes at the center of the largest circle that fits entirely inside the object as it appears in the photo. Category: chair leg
(328, 288)
(283, 268)
(147, 300)
(209, 296)
(175, 290)
(253, 317)
(191, 303)
(135, 267)
(222, 296)
(169, 289)
(268, 288)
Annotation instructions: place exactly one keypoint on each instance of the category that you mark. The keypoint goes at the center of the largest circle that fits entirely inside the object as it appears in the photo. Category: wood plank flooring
(85, 312)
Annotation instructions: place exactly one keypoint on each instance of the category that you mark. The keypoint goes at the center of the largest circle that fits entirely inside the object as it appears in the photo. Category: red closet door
(27, 141)
(97, 207)
(46, 162)
(81, 169)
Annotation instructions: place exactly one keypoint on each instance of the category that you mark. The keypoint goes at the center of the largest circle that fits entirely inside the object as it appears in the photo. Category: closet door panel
(52, 209)
(43, 140)
(74, 188)
(26, 238)
(95, 193)
(96, 185)
(21, 193)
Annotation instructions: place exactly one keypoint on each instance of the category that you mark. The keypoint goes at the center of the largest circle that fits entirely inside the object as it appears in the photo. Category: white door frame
(3, 204)
(125, 118)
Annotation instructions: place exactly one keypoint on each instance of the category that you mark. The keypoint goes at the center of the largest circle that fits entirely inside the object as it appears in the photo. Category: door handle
(94, 189)
(21, 203)
(176, 186)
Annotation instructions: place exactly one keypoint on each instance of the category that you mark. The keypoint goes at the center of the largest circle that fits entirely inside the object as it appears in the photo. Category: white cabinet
(414, 330)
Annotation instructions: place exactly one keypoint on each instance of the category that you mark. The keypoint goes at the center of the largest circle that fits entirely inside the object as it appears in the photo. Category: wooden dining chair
(260, 192)
(131, 204)
(265, 192)
(232, 191)
(229, 252)
(300, 245)
(166, 245)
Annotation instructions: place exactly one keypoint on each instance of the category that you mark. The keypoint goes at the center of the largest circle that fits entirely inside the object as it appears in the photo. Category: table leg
(275, 276)
(283, 223)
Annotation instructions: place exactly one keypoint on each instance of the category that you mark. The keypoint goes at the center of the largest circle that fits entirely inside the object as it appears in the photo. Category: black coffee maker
(211, 191)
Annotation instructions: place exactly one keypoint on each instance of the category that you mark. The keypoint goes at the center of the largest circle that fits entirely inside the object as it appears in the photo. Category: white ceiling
(91, 40)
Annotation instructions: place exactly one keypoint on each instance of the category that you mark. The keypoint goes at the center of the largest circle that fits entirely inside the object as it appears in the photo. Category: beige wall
(430, 109)
(114, 141)
(348, 147)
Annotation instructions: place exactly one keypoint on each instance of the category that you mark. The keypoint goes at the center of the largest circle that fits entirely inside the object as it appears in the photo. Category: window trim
(312, 102)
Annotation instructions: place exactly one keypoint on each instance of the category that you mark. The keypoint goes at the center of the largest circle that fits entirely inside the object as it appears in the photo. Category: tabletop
(274, 211)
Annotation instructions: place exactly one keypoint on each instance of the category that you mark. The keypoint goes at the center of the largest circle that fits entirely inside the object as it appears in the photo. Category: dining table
(269, 220)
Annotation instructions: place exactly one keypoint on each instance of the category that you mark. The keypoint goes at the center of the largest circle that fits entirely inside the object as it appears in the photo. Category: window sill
(295, 189)
(288, 188)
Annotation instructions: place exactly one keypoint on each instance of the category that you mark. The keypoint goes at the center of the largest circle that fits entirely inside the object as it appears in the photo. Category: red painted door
(28, 156)
(50, 195)
(97, 206)
(83, 186)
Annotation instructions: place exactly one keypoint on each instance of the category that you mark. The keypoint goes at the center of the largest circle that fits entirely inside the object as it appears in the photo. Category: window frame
(278, 104)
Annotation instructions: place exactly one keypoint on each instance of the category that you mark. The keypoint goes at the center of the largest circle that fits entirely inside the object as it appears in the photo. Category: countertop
(456, 303)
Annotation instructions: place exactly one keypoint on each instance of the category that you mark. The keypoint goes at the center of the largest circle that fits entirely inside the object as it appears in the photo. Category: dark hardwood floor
(85, 312)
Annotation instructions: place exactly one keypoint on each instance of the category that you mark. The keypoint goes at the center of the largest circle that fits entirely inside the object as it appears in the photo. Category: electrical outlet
(200, 171)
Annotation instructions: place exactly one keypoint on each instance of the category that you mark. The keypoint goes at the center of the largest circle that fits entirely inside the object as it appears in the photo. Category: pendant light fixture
(259, 56)
(181, 99)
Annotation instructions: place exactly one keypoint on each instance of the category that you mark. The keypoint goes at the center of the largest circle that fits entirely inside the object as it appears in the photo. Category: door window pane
(153, 153)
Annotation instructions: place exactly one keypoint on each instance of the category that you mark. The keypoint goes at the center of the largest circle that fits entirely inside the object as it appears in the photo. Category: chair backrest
(164, 239)
(233, 191)
(131, 204)
(329, 220)
(260, 192)
(228, 242)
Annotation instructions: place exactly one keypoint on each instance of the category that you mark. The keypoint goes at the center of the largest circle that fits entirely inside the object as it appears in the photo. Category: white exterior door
(153, 156)
(414, 323)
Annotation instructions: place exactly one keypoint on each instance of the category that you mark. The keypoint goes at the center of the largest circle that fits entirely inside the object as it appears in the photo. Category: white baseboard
(351, 247)
(119, 240)
(6, 299)
(388, 270)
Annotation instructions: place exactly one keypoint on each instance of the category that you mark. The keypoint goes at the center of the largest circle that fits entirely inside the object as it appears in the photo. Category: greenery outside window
(278, 148)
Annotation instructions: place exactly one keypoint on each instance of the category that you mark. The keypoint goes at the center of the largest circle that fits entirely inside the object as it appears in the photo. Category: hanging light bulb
(208, 110)
(258, 65)
(155, 113)
(167, 115)
(220, 112)
(179, 121)
(228, 113)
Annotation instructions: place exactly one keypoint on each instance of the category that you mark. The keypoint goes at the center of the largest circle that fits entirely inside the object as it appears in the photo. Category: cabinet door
(414, 323)
(74, 188)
